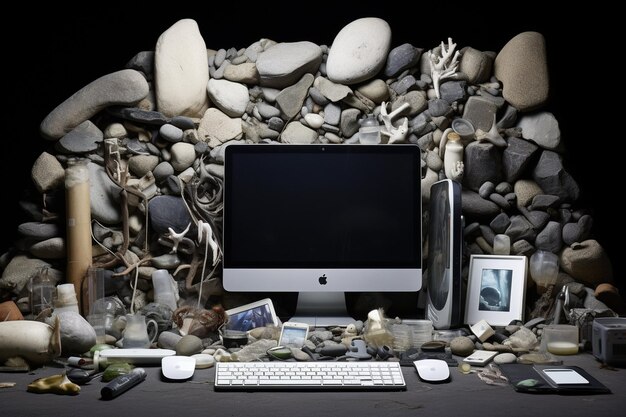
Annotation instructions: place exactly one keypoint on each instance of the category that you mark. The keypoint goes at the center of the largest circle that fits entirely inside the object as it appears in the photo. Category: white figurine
(395, 134)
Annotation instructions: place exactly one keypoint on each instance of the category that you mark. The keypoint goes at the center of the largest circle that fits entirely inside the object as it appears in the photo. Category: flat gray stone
(536, 217)
(125, 87)
(543, 202)
(39, 231)
(296, 132)
(476, 65)
(181, 70)
(483, 162)
(549, 239)
(142, 116)
(508, 118)
(500, 223)
(404, 84)
(452, 91)
(487, 234)
(486, 189)
(83, 138)
(522, 247)
(438, 107)
(267, 111)
(47, 173)
(183, 122)
(520, 229)
(551, 176)
(400, 58)
(332, 91)
(144, 62)
(480, 112)
(542, 128)
(522, 68)
(285, 63)
(53, 248)
(332, 114)
(474, 206)
(359, 51)
(291, 98)
(349, 123)
(104, 196)
(516, 158)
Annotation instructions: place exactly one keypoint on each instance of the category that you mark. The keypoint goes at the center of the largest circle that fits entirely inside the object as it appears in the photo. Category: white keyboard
(279, 375)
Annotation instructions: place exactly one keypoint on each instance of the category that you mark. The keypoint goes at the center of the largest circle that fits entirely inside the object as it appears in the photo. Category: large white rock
(181, 70)
(285, 63)
(359, 51)
(183, 155)
(230, 97)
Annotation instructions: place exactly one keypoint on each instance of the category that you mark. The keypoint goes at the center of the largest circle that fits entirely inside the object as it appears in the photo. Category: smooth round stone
(136, 147)
(462, 346)
(140, 165)
(203, 360)
(359, 51)
(77, 335)
(267, 111)
(189, 345)
(165, 261)
(168, 211)
(486, 189)
(296, 132)
(503, 188)
(39, 231)
(285, 63)
(47, 173)
(115, 130)
(230, 97)
(53, 248)
(183, 155)
(168, 340)
(163, 170)
(171, 133)
(104, 196)
(376, 90)
(332, 114)
(503, 358)
(182, 122)
(314, 120)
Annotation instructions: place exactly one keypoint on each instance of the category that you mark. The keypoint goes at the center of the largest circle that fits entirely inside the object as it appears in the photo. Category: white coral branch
(444, 66)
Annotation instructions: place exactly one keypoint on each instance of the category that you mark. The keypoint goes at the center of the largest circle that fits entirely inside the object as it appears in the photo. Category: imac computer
(445, 252)
(322, 220)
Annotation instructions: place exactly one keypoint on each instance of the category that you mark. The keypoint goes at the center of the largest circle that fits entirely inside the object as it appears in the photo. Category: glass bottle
(369, 132)
(41, 291)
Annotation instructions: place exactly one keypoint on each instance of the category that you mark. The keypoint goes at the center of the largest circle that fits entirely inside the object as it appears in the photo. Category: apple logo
(322, 279)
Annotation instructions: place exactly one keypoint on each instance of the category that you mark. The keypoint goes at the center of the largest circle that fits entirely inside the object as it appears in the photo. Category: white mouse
(178, 367)
(432, 370)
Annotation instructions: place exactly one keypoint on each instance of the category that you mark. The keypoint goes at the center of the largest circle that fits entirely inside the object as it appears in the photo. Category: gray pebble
(504, 188)
(171, 133)
(183, 122)
(500, 201)
(189, 345)
(276, 123)
(471, 229)
(162, 171)
(201, 148)
(500, 223)
(503, 358)
(332, 114)
(487, 234)
(486, 189)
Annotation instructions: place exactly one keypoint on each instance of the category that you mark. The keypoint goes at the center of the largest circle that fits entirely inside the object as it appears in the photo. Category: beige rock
(181, 70)
(242, 73)
(140, 165)
(522, 67)
(290, 100)
(296, 132)
(587, 262)
(332, 91)
(47, 173)
(525, 191)
(376, 90)
(461, 346)
(476, 65)
(216, 127)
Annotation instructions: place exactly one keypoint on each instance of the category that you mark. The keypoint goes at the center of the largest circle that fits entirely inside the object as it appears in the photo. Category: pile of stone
(157, 130)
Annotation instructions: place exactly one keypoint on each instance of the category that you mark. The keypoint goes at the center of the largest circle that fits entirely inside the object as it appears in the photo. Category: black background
(49, 53)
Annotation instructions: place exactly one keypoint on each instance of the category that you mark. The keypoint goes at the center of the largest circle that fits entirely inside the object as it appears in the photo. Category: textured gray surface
(465, 395)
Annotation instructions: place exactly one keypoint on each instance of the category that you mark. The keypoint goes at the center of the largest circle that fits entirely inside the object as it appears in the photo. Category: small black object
(81, 376)
(234, 338)
(123, 383)
(385, 352)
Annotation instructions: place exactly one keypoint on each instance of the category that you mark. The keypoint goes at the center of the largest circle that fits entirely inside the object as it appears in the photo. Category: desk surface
(465, 395)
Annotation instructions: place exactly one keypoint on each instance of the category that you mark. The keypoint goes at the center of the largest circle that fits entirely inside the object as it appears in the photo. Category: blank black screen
(329, 206)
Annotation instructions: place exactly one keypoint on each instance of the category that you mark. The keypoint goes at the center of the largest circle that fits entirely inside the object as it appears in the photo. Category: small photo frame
(249, 316)
(496, 289)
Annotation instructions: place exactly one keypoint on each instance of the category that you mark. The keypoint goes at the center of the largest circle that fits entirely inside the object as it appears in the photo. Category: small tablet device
(249, 316)
(293, 334)
(480, 357)
(563, 376)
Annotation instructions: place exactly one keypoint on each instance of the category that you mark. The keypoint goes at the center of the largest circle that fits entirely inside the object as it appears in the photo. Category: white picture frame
(496, 289)
(249, 316)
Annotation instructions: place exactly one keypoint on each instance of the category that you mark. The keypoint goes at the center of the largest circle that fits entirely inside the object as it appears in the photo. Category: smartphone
(293, 334)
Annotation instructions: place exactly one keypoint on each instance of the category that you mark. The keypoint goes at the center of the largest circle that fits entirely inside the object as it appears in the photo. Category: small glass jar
(369, 132)
(41, 291)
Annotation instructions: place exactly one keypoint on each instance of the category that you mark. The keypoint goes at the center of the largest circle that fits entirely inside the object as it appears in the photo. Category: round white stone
(183, 155)
(203, 360)
(314, 120)
(230, 97)
(359, 51)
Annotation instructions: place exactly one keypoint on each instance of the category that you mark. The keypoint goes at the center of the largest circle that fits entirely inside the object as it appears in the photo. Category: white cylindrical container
(164, 288)
(65, 299)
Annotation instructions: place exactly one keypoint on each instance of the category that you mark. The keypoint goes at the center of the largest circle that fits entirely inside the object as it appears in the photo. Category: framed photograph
(249, 316)
(496, 289)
